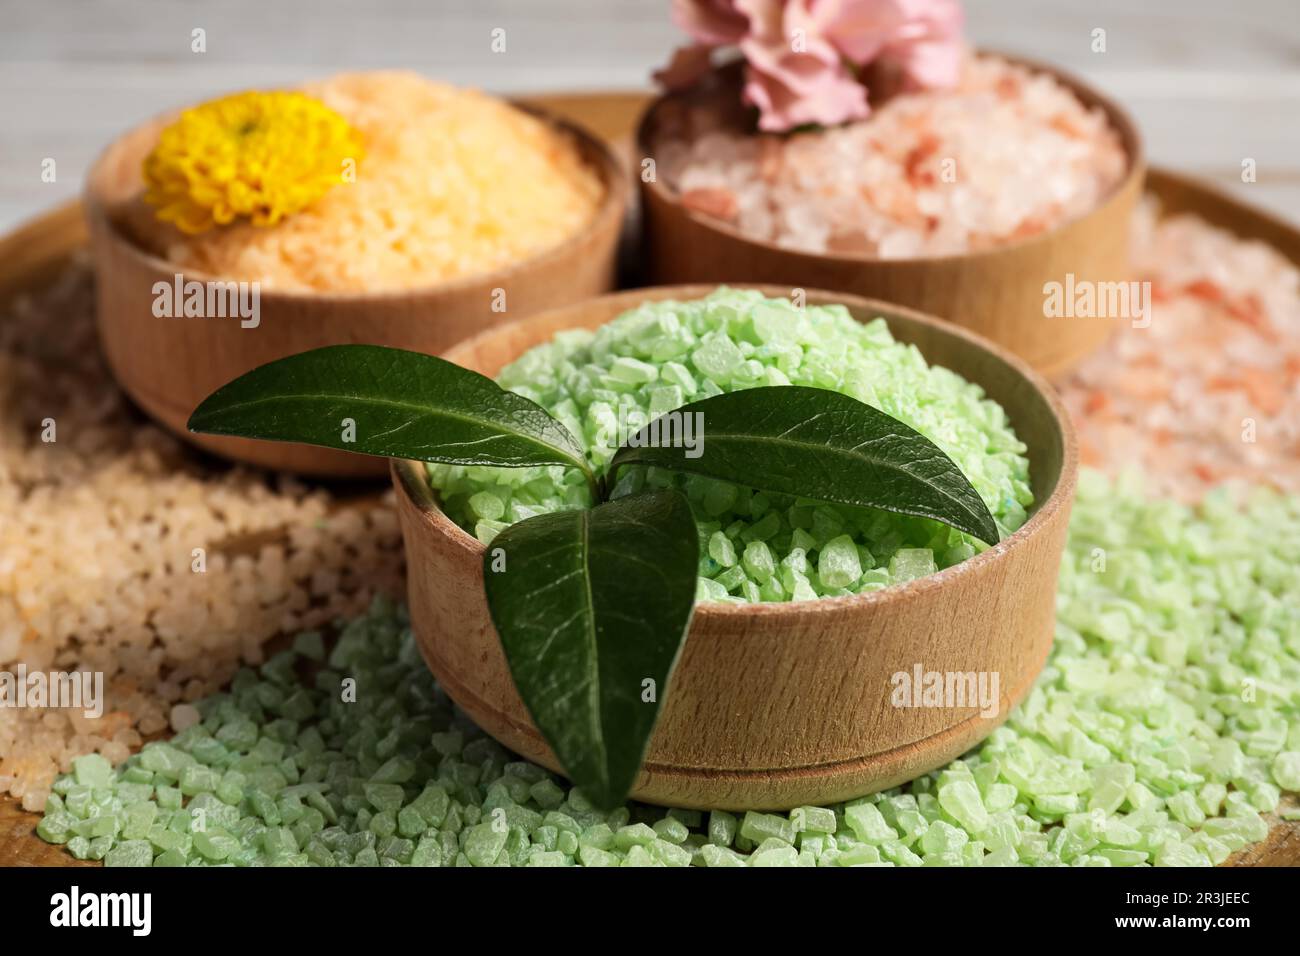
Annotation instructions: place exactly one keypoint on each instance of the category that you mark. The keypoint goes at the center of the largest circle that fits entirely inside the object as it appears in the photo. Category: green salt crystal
(639, 856)
(669, 854)
(57, 827)
(383, 823)
(633, 371)
(761, 531)
(867, 823)
(942, 838)
(720, 856)
(130, 853)
(171, 858)
(395, 770)
(409, 822)
(709, 590)
(962, 800)
(898, 854)
(838, 564)
(92, 770)
(1176, 853)
(540, 857)
(215, 844)
(671, 830)
(761, 826)
(784, 855)
(731, 578)
(547, 837)
(1056, 804)
(594, 856)
(385, 796)
(1184, 808)
(598, 835)
(816, 819)
(1264, 796)
(722, 550)
(428, 852)
(137, 774)
(677, 374)
(139, 821)
(717, 358)
(859, 855)
(567, 843)
(1286, 770)
(487, 506)
(814, 843)
(910, 563)
(1211, 798)
(758, 561)
(483, 843)
(231, 788)
(195, 779)
(636, 834)
(1110, 785)
(561, 821)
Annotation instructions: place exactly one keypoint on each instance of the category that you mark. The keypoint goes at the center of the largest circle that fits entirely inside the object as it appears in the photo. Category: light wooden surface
(31, 254)
(776, 706)
(995, 292)
(170, 365)
(1210, 83)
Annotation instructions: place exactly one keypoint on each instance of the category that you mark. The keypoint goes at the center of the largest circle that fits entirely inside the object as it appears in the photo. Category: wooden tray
(35, 252)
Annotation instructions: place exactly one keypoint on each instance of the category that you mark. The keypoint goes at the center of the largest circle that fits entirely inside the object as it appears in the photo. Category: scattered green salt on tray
(1166, 723)
(605, 384)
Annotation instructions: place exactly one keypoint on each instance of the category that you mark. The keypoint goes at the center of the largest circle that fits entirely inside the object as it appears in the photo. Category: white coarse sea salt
(1006, 154)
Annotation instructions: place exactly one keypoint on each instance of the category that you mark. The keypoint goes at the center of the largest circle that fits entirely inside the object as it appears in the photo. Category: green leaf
(814, 443)
(590, 605)
(404, 405)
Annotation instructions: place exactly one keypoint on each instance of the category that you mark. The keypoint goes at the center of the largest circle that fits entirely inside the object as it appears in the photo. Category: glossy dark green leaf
(592, 608)
(403, 405)
(814, 443)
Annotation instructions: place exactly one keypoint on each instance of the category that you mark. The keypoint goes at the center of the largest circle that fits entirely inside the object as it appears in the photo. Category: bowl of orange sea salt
(377, 207)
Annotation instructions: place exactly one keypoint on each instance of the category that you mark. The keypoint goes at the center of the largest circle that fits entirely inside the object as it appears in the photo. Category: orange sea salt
(453, 183)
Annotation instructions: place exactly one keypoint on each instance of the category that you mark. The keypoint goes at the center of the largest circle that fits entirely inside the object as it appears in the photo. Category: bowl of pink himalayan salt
(1001, 204)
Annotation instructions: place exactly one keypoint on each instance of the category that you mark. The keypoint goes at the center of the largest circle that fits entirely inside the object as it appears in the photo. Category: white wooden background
(1212, 82)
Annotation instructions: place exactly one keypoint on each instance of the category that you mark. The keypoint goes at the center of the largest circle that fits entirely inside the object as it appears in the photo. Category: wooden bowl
(169, 365)
(996, 292)
(778, 705)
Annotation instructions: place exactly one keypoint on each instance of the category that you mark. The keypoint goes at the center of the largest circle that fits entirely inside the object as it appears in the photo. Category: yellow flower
(262, 156)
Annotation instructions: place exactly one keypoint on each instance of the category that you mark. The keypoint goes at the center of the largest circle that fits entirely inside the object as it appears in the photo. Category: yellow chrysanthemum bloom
(261, 156)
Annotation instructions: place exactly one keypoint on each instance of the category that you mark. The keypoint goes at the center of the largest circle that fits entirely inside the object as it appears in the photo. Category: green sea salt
(605, 384)
(1128, 751)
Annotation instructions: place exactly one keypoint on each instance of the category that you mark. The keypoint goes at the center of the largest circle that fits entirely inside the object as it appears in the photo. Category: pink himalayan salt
(927, 174)
(1210, 391)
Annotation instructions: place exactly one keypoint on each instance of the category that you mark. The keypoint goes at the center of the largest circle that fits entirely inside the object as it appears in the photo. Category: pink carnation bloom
(800, 54)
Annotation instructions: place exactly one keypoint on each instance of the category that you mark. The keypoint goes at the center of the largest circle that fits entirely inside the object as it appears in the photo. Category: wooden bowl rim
(410, 479)
(612, 208)
(1118, 116)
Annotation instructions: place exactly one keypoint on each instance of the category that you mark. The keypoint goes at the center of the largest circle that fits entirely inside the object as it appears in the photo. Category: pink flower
(928, 44)
(801, 56)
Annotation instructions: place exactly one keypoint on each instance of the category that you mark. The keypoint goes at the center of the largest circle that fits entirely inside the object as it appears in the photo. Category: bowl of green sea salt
(833, 651)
